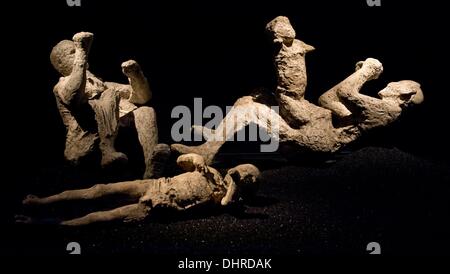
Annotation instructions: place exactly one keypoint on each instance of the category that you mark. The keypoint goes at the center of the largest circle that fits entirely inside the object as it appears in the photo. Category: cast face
(403, 92)
(63, 56)
(281, 30)
(246, 178)
(285, 33)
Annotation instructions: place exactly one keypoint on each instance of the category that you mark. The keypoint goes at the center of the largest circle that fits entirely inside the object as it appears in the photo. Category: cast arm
(307, 48)
(71, 89)
(354, 101)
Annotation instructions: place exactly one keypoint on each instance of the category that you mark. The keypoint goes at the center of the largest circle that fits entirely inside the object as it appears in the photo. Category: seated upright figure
(92, 110)
(198, 186)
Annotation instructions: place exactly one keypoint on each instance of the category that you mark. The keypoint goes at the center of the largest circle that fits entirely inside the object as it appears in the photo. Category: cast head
(281, 30)
(242, 182)
(63, 56)
(404, 93)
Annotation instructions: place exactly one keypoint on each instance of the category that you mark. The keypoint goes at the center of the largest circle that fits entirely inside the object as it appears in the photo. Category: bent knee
(325, 100)
(108, 95)
(145, 110)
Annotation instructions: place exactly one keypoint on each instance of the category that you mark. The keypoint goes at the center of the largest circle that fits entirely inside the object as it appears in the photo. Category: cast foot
(31, 200)
(22, 219)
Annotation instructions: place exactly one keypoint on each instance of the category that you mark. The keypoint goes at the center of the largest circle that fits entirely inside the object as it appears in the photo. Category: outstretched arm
(307, 48)
(74, 85)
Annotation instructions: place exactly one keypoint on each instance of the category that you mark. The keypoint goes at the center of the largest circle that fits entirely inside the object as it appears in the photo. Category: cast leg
(134, 189)
(128, 213)
(295, 112)
(246, 111)
(107, 115)
(155, 154)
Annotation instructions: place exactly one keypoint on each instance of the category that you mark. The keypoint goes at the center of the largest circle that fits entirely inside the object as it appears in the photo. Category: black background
(219, 51)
